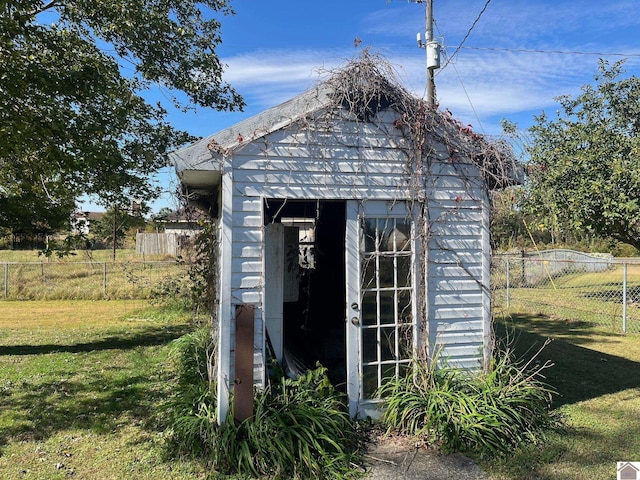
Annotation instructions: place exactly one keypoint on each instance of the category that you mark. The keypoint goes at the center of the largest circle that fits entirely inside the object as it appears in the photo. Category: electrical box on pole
(433, 55)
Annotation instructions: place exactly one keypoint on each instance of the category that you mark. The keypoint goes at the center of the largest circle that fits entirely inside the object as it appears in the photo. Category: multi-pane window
(386, 318)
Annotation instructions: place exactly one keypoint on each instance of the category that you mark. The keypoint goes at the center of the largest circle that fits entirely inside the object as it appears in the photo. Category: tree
(114, 225)
(72, 72)
(584, 170)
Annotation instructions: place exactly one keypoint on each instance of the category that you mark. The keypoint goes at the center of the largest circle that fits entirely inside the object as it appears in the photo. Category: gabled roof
(363, 87)
(201, 155)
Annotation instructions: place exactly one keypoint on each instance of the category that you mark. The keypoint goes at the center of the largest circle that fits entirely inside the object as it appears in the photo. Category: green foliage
(300, 429)
(584, 171)
(204, 268)
(192, 409)
(116, 223)
(488, 414)
(195, 288)
(72, 117)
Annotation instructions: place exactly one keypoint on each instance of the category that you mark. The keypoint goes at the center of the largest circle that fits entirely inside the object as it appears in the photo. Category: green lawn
(593, 297)
(104, 255)
(597, 376)
(81, 387)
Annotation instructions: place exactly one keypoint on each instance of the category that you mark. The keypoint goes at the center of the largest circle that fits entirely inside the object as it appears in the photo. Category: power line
(464, 89)
(475, 22)
(562, 52)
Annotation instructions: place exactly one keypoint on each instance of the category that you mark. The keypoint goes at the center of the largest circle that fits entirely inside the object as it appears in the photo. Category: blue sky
(509, 67)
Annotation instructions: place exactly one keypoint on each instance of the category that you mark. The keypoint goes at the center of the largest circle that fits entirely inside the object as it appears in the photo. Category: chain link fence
(598, 290)
(88, 280)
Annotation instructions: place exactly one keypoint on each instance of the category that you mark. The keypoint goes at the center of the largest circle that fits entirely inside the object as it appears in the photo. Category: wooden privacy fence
(88, 280)
(157, 244)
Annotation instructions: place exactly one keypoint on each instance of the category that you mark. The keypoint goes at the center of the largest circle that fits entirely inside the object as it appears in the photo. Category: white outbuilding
(353, 231)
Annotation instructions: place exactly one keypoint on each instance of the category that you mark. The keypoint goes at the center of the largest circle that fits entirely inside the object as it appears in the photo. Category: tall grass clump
(487, 414)
(300, 428)
(191, 410)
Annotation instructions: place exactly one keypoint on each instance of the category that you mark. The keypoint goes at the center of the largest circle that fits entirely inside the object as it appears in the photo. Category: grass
(81, 385)
(594, 297)
(67, 280)
(488, 414)
(80, 388)
(597, 376)
(105, 255)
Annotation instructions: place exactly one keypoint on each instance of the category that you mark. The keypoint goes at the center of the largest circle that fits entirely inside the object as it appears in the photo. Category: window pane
(404, 270)
(403, 235)
(404, 306)
(388, 343)
(405, 341)
(386, 312)
(369, 380)
(385, 233)
(388, 372)
(403, 370)
(369, 310)
(369, 235)
(386, 272)
(387, 307)
(369, 272)
(369, 345)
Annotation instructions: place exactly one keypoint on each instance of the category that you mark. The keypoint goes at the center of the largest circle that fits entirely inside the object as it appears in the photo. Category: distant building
(81, 222)
(185, 222)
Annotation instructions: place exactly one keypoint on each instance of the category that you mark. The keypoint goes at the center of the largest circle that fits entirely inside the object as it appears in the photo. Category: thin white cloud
(269, 77)
(490, 83)
(510, 23)
(483, 82)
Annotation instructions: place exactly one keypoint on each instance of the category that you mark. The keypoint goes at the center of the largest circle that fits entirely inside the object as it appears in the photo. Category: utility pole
(432, 49)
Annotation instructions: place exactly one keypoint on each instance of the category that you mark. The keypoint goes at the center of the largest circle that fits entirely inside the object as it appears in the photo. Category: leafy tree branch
(73, 121)
(584, 170)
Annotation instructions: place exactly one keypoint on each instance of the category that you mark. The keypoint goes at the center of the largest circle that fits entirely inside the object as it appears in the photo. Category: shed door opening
(305, 261)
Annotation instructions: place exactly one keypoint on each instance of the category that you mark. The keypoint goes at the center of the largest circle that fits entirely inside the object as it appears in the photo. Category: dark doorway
(314, 325)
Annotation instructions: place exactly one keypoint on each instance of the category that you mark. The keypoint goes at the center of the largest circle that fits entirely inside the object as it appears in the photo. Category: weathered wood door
(381, 332)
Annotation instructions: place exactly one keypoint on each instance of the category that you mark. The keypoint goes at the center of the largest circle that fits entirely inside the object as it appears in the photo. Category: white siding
(359, 160)
(457, 288)
(367, 161)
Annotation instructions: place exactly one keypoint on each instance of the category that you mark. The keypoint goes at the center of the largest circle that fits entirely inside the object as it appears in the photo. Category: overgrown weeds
(191, 410)
(488, 414)
(300, 428)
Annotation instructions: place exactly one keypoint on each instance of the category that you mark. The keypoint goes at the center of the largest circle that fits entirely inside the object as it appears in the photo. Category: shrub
(488, 414)
(191, 411)
(300, 428)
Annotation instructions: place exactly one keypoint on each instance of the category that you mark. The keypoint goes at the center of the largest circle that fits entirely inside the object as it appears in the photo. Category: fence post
(6, 280)
(624, 298)
(508, 285)
(524, 273)
(104, 279)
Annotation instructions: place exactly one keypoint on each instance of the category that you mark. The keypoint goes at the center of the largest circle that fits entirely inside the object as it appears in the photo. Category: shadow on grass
(576, 452)
(87, 392)
(147, 337)
(611, 292)
(578, 373)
